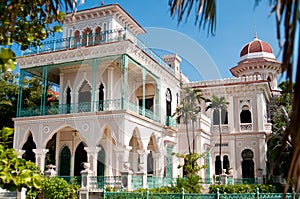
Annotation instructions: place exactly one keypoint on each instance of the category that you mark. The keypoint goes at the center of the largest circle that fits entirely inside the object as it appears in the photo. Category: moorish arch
(80, 158)
(64, 168)
(51, 154)
(28, 147)
(152, 148)
(136, 145)
(106, 155)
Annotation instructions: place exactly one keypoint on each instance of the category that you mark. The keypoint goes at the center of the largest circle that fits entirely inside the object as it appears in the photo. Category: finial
(255, 33)
(102, 3)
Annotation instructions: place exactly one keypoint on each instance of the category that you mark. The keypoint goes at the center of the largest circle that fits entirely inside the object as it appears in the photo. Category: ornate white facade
(116, 98)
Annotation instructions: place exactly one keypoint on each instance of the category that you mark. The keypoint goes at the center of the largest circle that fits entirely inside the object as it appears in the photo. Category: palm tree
(219, 105)
(287, 23)
(188, 110)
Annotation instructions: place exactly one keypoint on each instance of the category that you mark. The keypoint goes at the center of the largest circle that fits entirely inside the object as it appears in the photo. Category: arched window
(245, 115)
(216, 117)
(65, 162)
(87, 37)
(150, 163)
(84, 98)
(168, 102)
(76, 38)
(98, 36)
(101, 97)
(226, 164)
(218, 167)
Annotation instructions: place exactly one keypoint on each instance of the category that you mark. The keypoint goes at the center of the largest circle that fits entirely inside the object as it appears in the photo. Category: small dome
(255, 49)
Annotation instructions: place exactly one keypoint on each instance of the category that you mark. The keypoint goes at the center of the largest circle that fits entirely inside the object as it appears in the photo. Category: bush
(247, 188)
(58, 188)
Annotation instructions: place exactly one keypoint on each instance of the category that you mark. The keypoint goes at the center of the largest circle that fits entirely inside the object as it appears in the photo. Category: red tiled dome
(256, 46)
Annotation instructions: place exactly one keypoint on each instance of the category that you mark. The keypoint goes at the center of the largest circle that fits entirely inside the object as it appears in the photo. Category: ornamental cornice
(77, 54)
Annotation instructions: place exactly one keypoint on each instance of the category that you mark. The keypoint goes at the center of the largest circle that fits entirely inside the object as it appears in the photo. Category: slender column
(158, 105)
(92, 155)
(144, 91)
(61, 87)
(19, 108)
(124, 93)
(142, 168)
(157, 168)
(40, 155)
(110, 82)
(44, 86)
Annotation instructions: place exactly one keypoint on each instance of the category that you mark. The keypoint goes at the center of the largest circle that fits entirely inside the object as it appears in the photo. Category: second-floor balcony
(96, 106)
(88, 40)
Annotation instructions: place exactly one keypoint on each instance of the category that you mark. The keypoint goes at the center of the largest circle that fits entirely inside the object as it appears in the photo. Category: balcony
(246, 127)
(103, 105)
(170, 121)
(109, 36)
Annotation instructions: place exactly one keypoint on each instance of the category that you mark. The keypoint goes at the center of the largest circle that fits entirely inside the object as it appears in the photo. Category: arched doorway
(101, 97)
(65, 162)
(101, 162)
(68, 100)
(218, 168)
(80, 157)
(29, 155)
(84, 97)
(51, 146)
(226, 164)
(247, 164)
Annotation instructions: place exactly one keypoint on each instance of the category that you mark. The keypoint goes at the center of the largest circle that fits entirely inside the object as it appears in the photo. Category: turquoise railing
(170, 121)
(245, 181)
(103, 105)
(92, 40)
(183, 195)
(69, 179)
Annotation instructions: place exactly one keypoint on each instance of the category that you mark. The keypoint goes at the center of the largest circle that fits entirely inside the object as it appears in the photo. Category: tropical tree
(188, 110)
(219, 105)
(287, 23)
(28, 22)
(280, 109)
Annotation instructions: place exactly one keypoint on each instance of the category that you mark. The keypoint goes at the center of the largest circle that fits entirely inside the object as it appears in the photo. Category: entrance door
(247, 164)
(65, 162)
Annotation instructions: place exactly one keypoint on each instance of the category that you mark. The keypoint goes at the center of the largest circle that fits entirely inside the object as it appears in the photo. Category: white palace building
(117, 98)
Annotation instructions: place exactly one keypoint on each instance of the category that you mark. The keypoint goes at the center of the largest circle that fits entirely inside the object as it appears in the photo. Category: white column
(110, 82)
(92, 155)
(40, 155)
(61, 88)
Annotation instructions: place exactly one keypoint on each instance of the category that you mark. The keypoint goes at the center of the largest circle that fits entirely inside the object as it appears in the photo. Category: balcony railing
(103, 37)
(246, 126)
(170, 121)
(103, 105)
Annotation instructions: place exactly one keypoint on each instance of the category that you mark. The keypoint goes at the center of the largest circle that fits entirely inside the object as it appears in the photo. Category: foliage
(58, 188)
(27, 23)
(191, 166)
(188, 110)
(246, 188)
(16, 173)
(279, 154)
(205, 12)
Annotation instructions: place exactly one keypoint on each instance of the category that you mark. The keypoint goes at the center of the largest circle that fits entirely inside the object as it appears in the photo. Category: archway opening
(245, 115)
(80, 158)
(65, 162)
(29, 145)
(101, 162)
(247, 164)
(51, 154)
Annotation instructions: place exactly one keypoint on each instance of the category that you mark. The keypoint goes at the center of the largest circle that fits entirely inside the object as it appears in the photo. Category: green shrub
(247, 188)
(58, 188)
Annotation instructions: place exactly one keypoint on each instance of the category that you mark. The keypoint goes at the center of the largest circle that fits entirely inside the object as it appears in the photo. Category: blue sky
(236, 22)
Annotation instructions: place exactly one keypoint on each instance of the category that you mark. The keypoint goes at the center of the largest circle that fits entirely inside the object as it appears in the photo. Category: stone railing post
(50, 171)
(85, 181)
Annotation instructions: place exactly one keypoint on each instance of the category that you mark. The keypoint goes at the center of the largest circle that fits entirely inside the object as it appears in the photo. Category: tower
(257, 58)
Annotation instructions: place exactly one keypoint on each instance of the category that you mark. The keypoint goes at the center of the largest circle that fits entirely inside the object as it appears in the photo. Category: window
(226, 164)
(216, 117)
(168, 102)
(245, 115)
(218, 167)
